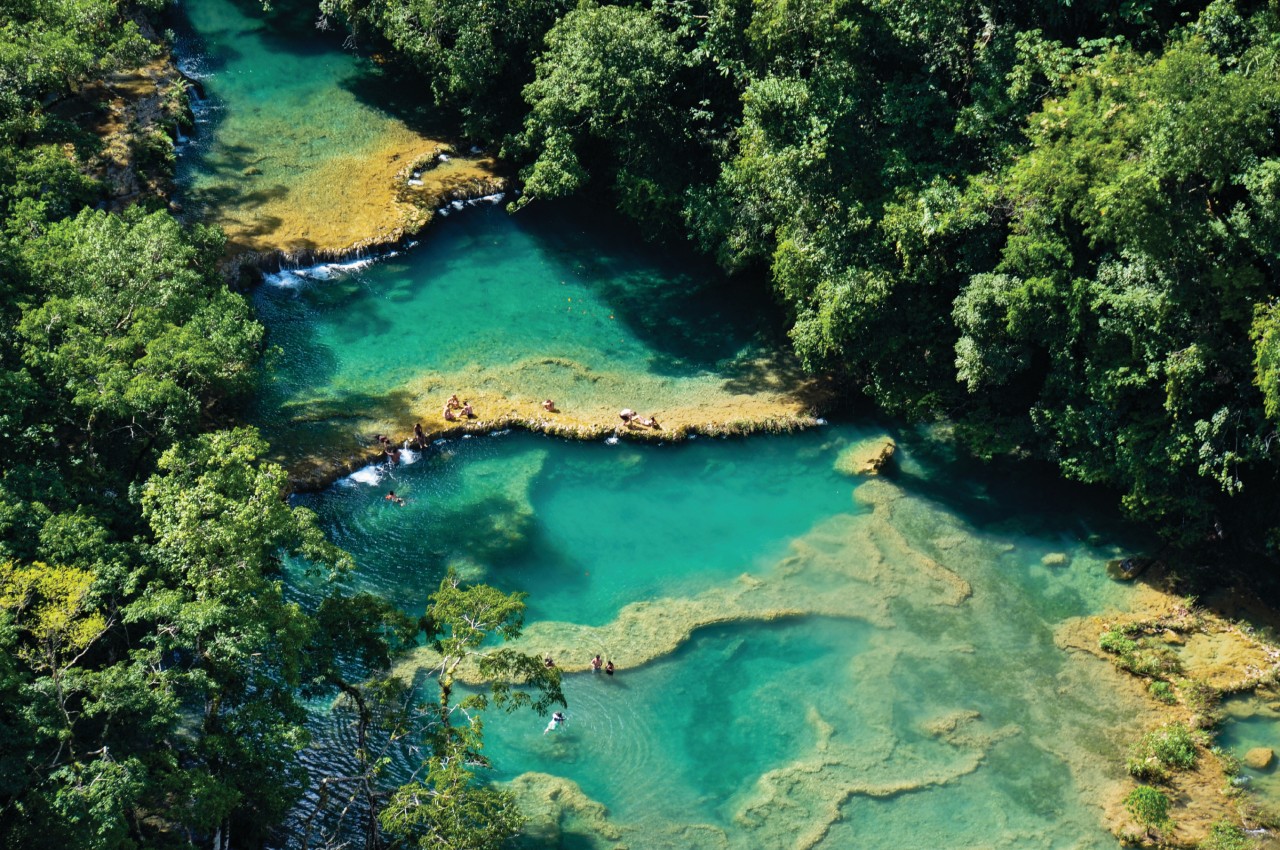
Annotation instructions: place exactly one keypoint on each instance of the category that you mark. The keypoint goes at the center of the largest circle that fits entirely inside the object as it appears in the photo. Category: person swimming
(608, 668)
(556, 720)
(595, 664)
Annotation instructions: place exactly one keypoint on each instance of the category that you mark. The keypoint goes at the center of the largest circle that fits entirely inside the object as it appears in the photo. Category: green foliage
(448, 809)
(1171, 747)
(1163, 692)
(449, 806)
(1117, 643)
(1226, 836)
(1204, 700)
(1266, 359)
(1229, 761)
(1149, 807)
(47, 46)
(611, 73)
(133, 333)
(475, 54)
(1141, 656)
(1054, 223)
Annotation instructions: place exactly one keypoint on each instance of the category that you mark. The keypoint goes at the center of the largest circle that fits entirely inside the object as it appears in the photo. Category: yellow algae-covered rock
(316, 439)
(866, 457)
(560, 814)
(556, 808)
(1225, 659)
(1259, 758)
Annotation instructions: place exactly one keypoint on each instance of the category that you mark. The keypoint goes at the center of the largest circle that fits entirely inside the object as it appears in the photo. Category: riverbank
(1186, 658)
(715, 410)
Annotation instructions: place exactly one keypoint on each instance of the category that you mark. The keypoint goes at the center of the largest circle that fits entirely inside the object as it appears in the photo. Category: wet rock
(1172, 638)
(866, 457)
(1055, 559)
(1126, 569)
(1259, 758)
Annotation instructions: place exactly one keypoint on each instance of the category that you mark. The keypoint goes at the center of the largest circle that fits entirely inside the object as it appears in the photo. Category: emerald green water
(805, 659)
(296, 138)
(1253, 723)
(562, 303)
(910, 718)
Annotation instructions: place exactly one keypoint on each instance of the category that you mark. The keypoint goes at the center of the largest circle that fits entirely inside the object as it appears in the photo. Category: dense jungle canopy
(1054, 224)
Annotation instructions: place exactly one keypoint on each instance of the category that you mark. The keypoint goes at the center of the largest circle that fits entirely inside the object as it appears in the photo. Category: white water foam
(611, 441)
(460, 205)
(294, 278)
(371, 475)
(193, 68)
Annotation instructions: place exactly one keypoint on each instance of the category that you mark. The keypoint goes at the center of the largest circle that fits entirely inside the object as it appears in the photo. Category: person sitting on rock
(549, 406)
(467, 411)
(449, 415)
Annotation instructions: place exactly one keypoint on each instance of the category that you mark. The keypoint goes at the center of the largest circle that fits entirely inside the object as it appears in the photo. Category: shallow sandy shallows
(348, 203)
(329, 440)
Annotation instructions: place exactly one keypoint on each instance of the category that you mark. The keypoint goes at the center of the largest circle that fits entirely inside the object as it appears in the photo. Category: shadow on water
(677, 303)
(399, 93)
(993, 496)
(294, 27)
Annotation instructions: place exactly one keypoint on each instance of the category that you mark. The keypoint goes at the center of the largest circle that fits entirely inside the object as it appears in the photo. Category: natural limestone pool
(301, 147)
(505, 311)
(805, 659)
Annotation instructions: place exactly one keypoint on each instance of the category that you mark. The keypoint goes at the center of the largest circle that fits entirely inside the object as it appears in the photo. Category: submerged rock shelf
(318, 467)
(804, 659)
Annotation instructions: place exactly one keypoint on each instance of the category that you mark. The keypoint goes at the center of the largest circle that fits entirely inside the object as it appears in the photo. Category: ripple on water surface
(911, 693)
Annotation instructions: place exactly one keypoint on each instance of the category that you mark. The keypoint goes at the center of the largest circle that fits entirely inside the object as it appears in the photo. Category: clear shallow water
(296, 138)
(912, 717)
(559, 303)
(1253, 723)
